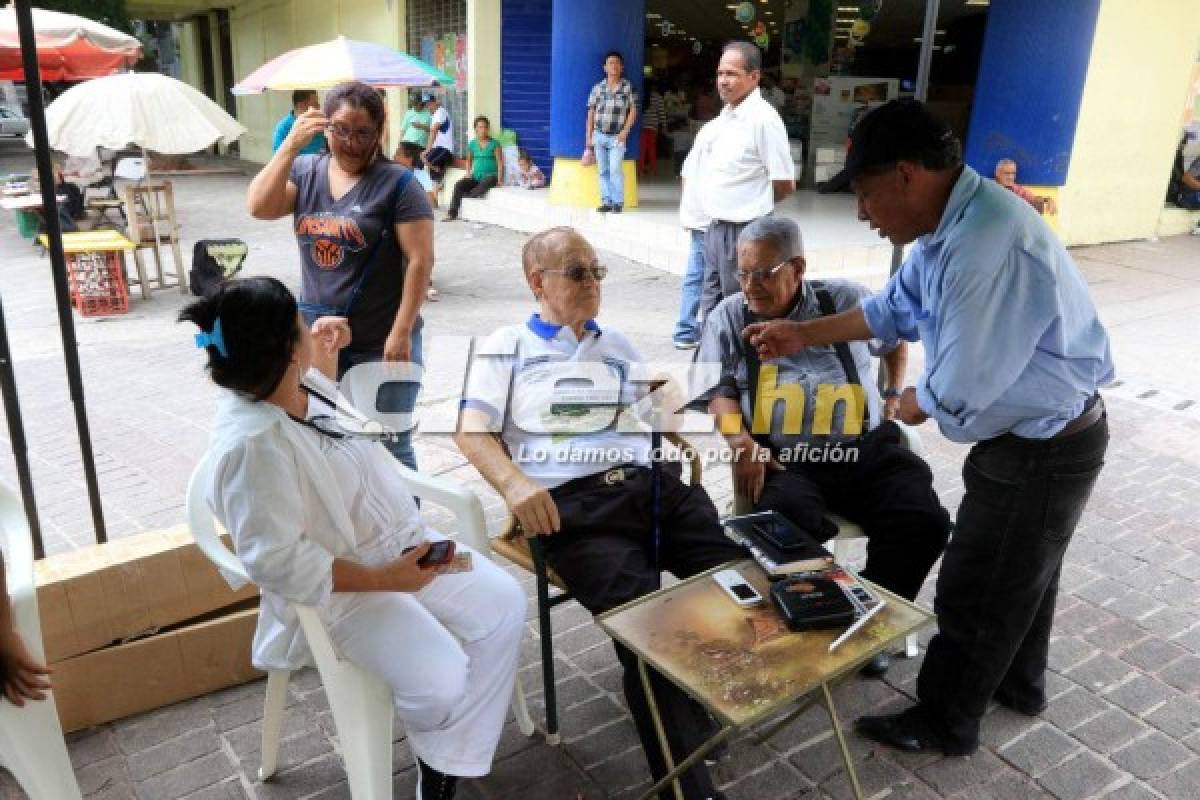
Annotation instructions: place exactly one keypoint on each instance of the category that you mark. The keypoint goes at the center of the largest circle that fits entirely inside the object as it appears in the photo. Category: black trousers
(887, 491)
(469, 187)
(999, 579)
(603, 553)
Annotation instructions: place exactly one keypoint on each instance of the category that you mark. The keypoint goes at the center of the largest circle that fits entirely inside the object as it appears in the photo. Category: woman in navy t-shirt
(365, 232)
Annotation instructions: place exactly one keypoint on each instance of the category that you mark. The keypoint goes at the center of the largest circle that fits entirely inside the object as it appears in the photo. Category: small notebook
(812, 603)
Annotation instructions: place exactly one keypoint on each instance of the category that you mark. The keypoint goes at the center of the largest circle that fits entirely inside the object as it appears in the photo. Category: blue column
(582, 31)
(1030, 84)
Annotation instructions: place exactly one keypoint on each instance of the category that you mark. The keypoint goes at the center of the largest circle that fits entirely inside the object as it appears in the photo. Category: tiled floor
(1124, 721)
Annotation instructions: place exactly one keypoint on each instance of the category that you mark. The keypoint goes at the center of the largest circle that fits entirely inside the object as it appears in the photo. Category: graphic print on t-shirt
(328, 236)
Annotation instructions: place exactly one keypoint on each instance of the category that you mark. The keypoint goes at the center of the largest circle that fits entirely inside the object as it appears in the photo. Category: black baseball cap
(899, 130)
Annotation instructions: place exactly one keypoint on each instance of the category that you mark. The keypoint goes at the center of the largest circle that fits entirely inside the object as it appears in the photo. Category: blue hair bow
(214, 339)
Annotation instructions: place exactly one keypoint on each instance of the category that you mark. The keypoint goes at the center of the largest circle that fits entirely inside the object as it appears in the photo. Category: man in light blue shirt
(302, 100)
(1014, 356)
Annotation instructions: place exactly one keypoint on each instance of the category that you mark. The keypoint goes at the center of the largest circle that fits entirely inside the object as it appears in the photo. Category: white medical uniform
(294, 499)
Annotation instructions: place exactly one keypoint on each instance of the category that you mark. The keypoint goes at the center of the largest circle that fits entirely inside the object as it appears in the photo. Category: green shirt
(415, 135)
(483, 159)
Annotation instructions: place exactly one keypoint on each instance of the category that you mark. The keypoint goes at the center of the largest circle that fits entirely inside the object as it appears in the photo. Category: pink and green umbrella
(320, 66)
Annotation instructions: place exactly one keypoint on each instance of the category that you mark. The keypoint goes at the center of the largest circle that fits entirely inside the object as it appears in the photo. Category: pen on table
(858, 623)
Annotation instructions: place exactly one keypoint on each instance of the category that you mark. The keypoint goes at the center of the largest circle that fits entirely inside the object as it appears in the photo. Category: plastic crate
(97, 283)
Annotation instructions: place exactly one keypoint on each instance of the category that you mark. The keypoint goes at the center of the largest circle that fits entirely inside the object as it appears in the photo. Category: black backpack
(215, 261)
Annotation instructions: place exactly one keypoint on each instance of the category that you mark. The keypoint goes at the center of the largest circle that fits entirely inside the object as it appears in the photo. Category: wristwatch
(888, 394)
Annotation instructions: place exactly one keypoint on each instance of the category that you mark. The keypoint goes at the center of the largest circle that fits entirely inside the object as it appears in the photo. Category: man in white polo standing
(743, 165)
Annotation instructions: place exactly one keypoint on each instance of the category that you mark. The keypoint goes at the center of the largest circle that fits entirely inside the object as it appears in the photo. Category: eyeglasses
(746, 277)
(579, 272)
(360, 136)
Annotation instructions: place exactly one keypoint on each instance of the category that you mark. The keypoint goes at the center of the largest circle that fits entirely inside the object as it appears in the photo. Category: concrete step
(1175, 221)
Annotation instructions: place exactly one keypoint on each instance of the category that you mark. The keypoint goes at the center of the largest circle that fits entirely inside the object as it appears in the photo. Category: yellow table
(91, 241)
(743, 665)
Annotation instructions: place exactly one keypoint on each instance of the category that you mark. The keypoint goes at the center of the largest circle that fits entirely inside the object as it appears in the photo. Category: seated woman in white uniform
(322, 518)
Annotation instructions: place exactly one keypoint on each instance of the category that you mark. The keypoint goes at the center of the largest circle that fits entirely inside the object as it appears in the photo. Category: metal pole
(926, 59)
(16, 435)
(58, 266)
(924, 64)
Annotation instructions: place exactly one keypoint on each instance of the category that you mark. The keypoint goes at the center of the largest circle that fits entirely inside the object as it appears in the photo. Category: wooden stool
(150, 209)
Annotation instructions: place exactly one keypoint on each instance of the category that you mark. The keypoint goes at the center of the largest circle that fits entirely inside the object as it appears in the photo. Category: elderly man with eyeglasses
(571, 476)
(809, 431)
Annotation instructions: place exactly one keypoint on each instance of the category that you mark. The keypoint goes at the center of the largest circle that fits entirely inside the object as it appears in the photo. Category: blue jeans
(610, 155)
(398, 397)
(687, 329)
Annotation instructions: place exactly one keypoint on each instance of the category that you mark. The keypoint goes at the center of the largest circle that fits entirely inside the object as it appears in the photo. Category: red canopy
(70, 48)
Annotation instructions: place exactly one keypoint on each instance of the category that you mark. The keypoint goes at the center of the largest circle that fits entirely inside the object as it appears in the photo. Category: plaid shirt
(612, 105)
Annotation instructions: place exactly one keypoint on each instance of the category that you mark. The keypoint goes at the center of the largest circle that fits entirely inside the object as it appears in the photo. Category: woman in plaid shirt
(612, 110)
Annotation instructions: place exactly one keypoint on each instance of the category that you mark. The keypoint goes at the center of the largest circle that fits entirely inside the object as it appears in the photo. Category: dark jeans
(398, 397)
(603, 555)
(888, 492)
(469, 187)
(999, 578)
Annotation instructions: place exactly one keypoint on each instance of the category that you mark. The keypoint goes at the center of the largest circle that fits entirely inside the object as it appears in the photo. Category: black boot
(434, 785)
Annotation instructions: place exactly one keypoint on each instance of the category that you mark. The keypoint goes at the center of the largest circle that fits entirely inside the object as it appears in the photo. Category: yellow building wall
(1128, 129)
(263, 29)
(483, 60)
(190, 71)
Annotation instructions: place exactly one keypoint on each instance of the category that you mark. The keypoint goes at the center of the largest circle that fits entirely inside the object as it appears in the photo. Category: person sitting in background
(440, 153)
(302, 100)
(485, 167)
(414, 126)
(1184, 189)
(1006, 176)
(408, 154)
(320, 516)
(529, 175)
(590, 499)
(83, 171)
(22, 677)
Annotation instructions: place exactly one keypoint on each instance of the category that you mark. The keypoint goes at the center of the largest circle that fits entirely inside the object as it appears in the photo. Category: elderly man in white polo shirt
(581, 484)
(743, 163)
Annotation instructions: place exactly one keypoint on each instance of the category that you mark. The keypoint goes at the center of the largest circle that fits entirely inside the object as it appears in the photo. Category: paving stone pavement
(1124, 718)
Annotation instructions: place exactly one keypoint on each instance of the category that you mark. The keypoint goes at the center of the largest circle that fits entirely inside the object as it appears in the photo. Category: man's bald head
(546, 249)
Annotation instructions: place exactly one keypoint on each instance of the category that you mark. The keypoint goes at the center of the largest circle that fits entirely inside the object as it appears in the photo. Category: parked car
(12, 123)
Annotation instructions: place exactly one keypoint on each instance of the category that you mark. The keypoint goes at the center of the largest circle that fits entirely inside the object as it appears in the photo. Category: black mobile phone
(439, 553)
(782, 534)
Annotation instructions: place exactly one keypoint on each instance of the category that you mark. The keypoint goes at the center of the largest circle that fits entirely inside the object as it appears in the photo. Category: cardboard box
(193, 660)
(104, 594)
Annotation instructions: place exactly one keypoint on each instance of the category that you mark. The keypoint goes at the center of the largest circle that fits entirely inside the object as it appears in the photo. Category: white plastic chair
(31, 739)
(361, 703)
(849, 531)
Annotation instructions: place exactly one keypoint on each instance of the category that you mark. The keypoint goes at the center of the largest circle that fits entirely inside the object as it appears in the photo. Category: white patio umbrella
(145, 109)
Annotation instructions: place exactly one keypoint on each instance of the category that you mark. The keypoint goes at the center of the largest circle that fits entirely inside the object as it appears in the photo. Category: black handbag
(215, 261)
